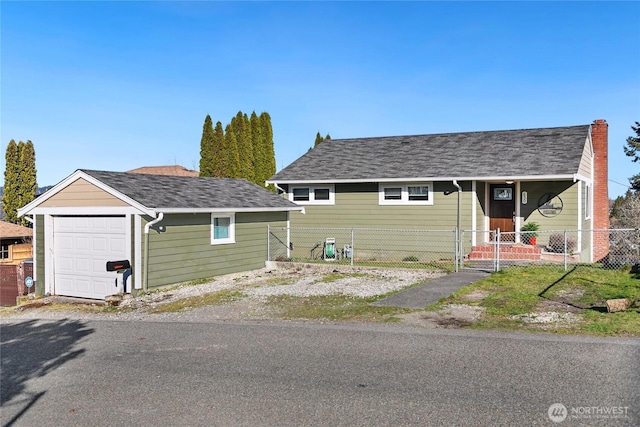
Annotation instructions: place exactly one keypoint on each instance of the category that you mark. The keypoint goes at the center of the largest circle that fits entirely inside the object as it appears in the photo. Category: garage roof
(161, 193)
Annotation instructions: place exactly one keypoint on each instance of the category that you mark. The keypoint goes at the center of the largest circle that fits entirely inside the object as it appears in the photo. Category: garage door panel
(82, 246)
(82, 266)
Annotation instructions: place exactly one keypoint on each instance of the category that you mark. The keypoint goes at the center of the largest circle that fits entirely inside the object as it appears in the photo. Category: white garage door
(82, 247)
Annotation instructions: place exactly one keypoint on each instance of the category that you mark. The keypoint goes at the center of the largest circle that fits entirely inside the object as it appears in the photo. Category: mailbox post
(121, 267)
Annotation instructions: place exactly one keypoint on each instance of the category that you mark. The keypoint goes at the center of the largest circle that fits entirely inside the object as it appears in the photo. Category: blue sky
(119, 85)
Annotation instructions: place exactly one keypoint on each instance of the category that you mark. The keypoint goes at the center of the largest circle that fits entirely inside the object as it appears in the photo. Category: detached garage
(171, 229)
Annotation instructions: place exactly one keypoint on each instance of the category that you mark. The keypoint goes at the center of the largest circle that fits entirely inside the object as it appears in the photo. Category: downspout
(145, 283)
(28, 219)
(280, 188)
(459, 236)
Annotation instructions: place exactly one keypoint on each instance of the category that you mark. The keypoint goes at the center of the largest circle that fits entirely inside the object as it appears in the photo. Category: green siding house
(171, 229)
(479, 181)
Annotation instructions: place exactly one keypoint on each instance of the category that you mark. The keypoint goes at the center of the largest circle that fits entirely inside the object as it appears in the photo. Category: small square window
(321, 194)
(300, 194)
(222, 229)
(394, 193)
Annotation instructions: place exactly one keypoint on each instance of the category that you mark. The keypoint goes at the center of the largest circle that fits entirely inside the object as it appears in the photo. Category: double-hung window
(405, 193)
(587, 201)
(4, 251)
(313, 195)
(223, 228)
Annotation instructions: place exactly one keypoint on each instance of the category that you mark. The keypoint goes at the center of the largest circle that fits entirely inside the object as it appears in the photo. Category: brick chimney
(600, 141)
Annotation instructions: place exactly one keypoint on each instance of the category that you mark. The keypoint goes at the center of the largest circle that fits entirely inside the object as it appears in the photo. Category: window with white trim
(587, 200)
(405, 193)
(313, 195)
(223, 228)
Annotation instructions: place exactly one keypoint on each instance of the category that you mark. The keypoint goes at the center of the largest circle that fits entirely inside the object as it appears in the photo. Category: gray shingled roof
(525, 152)
(179, 192)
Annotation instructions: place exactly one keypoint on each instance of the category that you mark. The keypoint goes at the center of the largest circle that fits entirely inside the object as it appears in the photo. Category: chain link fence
(611, 248)
(434, 249)
(445, 250)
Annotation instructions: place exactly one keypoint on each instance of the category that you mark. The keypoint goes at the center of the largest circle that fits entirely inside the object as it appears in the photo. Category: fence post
(462, 251)
(457, 254)
(268, 242)
(352, 250)
(498, 237)
(565, 250)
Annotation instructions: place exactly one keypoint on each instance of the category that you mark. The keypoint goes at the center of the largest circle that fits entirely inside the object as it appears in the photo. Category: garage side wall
(180, 247)
(39, 255)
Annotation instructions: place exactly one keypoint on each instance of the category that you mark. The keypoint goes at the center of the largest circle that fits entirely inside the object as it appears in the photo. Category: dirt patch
(477, 295)
(549, 319)
(450, 316)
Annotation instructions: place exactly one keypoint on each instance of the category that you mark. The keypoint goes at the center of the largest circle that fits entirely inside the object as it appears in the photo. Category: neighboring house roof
(509, 153)
(175, 170)
(161, 193)
(13, 231)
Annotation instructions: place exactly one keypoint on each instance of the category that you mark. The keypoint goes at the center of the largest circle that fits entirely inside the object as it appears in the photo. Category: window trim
(587, 201)
(404, 193)
(232, 228)
(312, 194)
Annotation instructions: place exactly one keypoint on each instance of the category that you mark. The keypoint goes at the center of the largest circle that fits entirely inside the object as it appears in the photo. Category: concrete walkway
(433, 290)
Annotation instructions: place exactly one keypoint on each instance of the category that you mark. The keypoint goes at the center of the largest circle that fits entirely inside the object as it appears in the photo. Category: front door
(502, 209)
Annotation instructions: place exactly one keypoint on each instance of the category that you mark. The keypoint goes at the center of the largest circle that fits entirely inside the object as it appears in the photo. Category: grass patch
(333, 307)
(582, 290)
(191, 303)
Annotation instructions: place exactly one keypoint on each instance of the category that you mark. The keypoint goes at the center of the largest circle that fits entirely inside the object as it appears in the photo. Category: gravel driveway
(256, 285)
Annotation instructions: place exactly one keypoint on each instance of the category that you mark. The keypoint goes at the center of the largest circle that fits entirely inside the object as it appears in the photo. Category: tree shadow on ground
(32, 349)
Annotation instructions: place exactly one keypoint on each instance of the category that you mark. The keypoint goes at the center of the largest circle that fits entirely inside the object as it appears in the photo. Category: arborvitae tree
(28, 181)
(242, 129)
(270, 155)
(259, 154)
(207, 148)
(243, 150)
(632, 149)
(320, 139)
(218, 167)
(11, 198)
(231, 156)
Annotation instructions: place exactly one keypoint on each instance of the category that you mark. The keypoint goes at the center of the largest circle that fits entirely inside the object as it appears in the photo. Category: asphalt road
(98, 373)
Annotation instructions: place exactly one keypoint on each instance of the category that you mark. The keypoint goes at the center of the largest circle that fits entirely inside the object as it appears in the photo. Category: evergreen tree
(244, 149)
(267, 144)
(242, 129)
(27, 176)
(11, 197)
(218, 167)
(259, 154)
(632, 149)
(231, 156)
(206, 148)
(320, 139)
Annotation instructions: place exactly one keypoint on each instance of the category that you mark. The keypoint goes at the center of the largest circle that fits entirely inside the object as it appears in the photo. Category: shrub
(410, 258)
(556, 243)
